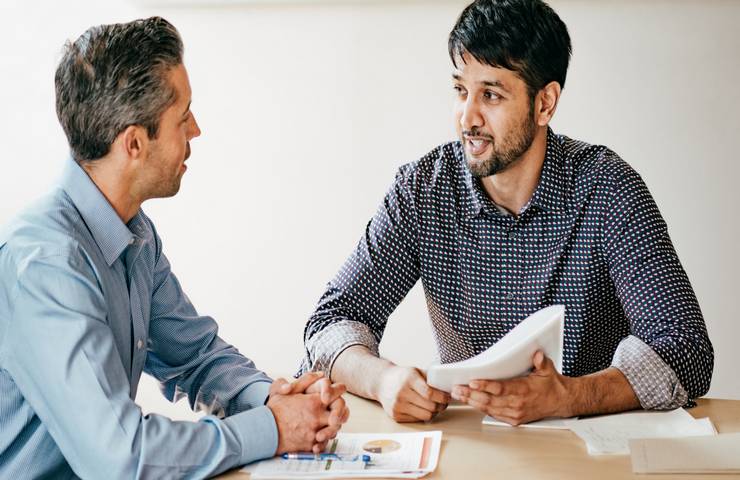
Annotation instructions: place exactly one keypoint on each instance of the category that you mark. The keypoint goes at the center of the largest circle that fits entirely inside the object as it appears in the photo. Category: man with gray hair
(88, 300)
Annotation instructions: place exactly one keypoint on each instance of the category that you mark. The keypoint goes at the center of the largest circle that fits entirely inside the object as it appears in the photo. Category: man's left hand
(543, 393)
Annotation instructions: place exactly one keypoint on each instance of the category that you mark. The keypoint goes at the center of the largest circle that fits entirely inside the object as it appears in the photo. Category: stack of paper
(509, 357)
(393, 455)
(610, 434)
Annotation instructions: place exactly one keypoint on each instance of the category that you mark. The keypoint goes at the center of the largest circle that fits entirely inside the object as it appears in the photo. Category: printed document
(610, 434)
(392, 455)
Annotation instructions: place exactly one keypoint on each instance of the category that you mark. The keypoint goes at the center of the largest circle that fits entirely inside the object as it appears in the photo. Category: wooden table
(473, 451)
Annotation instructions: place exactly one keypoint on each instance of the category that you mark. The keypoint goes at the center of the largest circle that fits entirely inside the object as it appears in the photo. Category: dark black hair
(114, 76)
(525, 36)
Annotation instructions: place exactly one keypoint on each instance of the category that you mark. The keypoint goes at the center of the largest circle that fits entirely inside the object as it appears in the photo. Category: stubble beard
(505, 155)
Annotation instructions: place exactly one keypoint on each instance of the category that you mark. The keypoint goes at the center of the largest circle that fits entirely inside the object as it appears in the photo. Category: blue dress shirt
(86, 304)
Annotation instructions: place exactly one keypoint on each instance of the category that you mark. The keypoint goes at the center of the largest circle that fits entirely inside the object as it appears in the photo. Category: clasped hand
(308, 412)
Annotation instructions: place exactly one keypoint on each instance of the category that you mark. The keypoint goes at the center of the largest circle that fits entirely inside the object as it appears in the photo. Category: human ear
(546, 103)
(135, 141)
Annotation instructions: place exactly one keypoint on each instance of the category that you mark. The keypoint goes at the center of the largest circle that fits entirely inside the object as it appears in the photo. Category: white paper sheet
(610, 434)
(393, 455)
(511, 356)
(550, 423)
(714, 454)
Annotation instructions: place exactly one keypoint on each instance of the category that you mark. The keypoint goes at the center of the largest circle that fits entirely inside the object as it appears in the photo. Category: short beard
(508, 153)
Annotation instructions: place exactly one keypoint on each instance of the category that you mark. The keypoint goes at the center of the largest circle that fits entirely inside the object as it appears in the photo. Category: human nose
(470, 115)
(194, 128)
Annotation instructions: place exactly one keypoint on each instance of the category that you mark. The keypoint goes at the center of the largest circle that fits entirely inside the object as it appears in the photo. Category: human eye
(461, 92)
(491, 95)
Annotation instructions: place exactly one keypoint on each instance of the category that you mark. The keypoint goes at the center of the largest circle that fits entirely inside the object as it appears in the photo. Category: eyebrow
(487, 83)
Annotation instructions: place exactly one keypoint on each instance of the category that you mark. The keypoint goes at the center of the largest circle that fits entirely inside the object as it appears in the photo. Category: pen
(326, 456)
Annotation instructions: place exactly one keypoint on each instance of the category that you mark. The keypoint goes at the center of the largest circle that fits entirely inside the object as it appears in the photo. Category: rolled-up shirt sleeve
(379, 273)
(62, 356)
(668, 358)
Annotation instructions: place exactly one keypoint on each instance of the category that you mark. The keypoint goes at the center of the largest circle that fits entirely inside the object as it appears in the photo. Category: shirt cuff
(253, 396)
(257, 432)
(325, 346)
(654, 382)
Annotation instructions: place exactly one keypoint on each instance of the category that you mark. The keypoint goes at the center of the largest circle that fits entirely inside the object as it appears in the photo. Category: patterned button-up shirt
(590, 238)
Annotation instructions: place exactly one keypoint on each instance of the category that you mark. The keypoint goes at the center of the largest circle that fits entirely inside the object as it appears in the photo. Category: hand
(542, 393)
(406, 397)
(299, 417)
(330, 396)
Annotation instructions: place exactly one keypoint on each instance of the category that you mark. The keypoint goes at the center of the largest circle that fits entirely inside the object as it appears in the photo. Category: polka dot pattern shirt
(590, 238)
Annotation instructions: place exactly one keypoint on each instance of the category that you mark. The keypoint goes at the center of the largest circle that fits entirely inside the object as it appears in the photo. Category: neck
(115, 183)
(512, 188)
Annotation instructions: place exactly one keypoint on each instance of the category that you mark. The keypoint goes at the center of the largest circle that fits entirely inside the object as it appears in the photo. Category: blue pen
(326, 456)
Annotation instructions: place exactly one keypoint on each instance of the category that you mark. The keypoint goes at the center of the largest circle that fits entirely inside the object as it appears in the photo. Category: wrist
(573, 397)
(378, 383)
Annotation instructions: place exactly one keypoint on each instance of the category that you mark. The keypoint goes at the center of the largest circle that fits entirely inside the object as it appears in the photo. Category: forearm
(606, 391)
(361, 370)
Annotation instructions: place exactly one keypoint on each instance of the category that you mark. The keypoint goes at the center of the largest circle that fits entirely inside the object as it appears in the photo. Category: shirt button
(512, 235)
(510, 296)
(140, 344)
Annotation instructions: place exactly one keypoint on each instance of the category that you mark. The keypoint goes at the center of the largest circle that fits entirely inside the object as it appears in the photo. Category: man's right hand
(406, 397)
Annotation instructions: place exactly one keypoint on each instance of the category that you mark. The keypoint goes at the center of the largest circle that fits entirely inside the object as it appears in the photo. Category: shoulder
(49, 231)
(598, 170)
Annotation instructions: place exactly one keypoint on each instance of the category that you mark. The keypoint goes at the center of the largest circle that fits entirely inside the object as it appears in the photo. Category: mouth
(477, 146)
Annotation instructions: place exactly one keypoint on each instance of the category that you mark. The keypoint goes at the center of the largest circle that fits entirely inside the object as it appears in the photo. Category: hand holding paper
(543, 393)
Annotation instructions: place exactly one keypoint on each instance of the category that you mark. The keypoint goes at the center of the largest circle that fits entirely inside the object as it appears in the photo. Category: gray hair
(114, 76)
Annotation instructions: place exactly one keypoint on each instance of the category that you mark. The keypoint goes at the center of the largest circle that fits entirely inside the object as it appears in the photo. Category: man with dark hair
(507, 220)
(88, 300)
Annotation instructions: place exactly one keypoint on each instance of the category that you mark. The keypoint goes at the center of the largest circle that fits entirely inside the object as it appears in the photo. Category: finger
(461, 392)
(419, 413)
(505, 414)
(405, 418)
(319, 447)
(336, 410)
(280, 386)
(515, 386)
(326, 434)
(489, 386)
(332, 392)
(319, 386)
(305, 381)
(420, 386)
(345, 415)
(412, 397)
(494, 401)
(538, 360)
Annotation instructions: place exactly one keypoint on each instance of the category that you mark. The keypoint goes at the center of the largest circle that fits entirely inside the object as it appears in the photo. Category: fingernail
(474, 384)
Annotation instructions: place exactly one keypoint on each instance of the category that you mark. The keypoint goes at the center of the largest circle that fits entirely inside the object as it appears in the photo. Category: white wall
(307, 111)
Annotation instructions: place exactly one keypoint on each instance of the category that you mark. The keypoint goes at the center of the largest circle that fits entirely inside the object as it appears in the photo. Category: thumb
(540, 361)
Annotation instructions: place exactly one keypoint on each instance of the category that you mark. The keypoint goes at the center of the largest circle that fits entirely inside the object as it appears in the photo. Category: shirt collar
(108, 230)
(550, 194)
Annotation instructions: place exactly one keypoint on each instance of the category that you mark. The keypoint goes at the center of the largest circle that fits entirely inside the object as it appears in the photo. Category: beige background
(307, 111)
